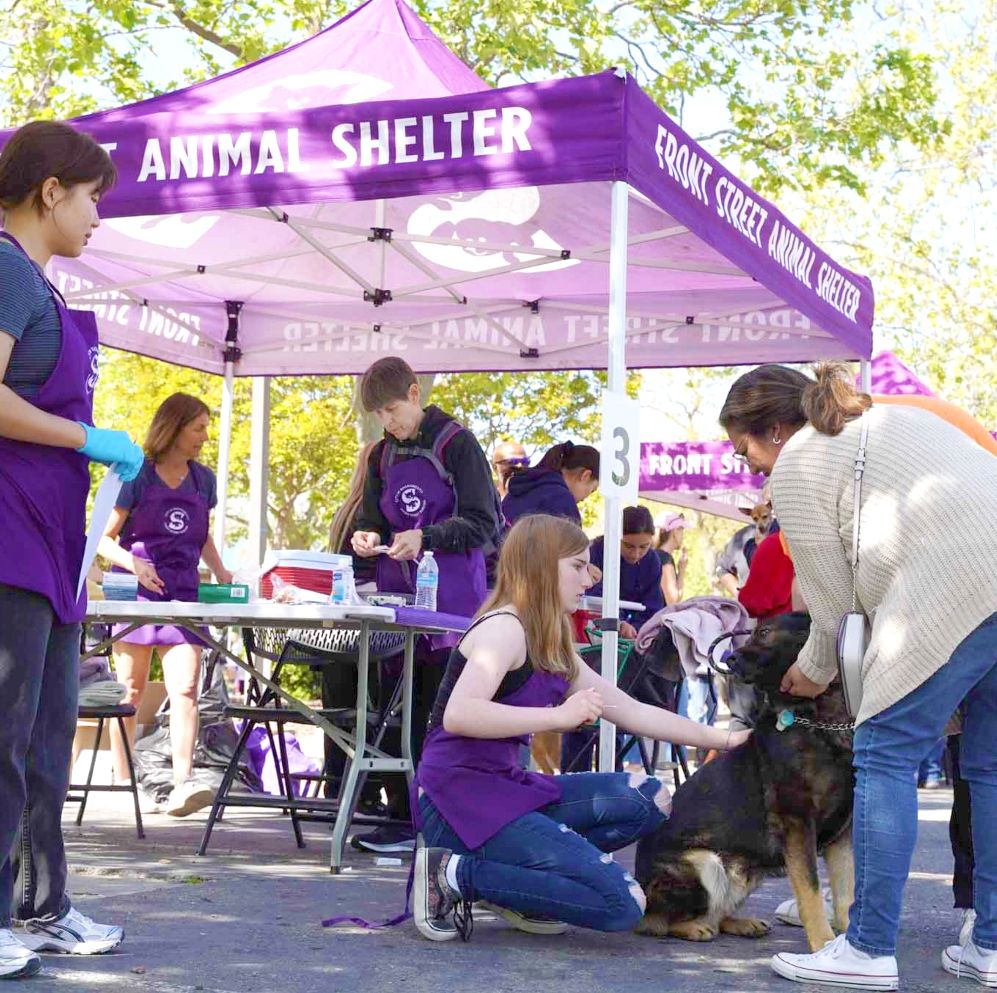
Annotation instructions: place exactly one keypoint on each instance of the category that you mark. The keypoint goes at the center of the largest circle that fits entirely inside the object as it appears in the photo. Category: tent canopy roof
(363, 192)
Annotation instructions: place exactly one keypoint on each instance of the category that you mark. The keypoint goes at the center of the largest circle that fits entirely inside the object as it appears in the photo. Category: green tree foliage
(925, 231)
(800, 109)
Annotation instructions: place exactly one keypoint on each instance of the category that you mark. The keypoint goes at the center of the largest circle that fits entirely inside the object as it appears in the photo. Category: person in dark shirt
(640, 569)
(428, 488)
(669, 535)
(508, 458)
(565, 476)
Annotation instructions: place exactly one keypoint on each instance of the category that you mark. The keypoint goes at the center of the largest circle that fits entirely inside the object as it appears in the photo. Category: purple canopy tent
(891, 377)
(364, 193)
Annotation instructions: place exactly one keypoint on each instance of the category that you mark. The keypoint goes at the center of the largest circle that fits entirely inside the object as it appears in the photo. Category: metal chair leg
(93, 765)
(140, 830)
(223, 789)
(288, 787)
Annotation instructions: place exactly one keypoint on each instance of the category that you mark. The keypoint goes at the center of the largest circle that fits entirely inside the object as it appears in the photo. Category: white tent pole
(865, 375)
(612, 509)
(259, 452)
(224, 448)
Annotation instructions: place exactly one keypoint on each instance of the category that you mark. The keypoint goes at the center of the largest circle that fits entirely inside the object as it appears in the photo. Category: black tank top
(511, 681)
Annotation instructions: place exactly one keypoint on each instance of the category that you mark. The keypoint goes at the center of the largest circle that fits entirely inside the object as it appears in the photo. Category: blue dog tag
(786, 719)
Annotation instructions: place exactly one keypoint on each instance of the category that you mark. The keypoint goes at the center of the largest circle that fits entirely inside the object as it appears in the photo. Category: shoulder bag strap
(857, 508)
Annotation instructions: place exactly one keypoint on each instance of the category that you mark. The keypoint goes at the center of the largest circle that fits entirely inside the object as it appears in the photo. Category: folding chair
(78, 792)
(264, 707)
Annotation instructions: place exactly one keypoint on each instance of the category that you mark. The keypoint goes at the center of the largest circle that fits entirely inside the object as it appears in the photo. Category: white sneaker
(839, 964)
(73, 933)
(524, 922)
(16, 959)
(969, 962)
(148, 803)
(789, 912)
(968, 923)
(188, 797)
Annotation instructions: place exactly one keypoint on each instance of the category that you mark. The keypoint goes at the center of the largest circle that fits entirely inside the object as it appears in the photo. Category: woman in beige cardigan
(934, 629)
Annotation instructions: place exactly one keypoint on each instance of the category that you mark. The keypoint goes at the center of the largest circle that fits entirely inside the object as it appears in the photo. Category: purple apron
(43, 489)
(168, 528)
(477, 784)
(414, 495)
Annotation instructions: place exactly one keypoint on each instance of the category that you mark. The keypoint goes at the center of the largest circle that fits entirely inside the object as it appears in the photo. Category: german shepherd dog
(766, 808)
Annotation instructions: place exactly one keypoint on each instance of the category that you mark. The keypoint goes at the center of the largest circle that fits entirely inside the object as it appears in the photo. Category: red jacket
(769, 589)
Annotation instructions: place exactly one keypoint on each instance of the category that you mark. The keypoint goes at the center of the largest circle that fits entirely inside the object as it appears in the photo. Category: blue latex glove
(113, 448)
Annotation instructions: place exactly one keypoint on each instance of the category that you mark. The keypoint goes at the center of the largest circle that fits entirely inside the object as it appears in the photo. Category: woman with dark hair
(163, 520)
(51, 180)
(933, 633)
(530, 845)
(640, 569)
(564, 477)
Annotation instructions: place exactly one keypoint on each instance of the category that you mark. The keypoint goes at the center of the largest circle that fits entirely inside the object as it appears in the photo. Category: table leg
(347, 796)
(407, 673)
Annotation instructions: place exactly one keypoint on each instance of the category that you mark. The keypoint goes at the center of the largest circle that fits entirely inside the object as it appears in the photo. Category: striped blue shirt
(28, 314)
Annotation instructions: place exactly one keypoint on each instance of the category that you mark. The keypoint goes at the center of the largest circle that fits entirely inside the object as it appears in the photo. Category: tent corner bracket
(377, 297)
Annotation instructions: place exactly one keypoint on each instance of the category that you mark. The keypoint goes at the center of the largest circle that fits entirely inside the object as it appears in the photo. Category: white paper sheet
(103, 504)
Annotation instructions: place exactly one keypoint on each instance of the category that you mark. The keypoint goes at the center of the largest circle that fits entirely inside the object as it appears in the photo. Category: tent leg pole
(613, 511)
(224, 450)
(865, 375)
(259, 452)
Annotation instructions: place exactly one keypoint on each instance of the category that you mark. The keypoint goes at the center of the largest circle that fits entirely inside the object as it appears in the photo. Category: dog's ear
(747, 511)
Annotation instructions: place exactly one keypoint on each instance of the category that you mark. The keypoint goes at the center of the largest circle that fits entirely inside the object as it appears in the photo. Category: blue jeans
(888, 750)
(931, 765)
(551, 862)
(39, 683)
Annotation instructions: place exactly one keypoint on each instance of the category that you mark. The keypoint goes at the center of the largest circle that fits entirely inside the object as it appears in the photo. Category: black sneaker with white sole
(384, 839)
(72, 934)
(439, 911)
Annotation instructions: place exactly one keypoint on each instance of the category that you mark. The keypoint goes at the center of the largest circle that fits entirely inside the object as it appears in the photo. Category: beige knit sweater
(927, 572)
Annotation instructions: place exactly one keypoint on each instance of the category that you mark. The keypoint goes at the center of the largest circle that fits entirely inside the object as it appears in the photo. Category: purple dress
(478, 784)
(43, 489)
(168, 527)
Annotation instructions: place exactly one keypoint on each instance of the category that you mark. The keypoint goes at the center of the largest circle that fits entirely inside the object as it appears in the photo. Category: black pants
(960, 832)
(39, 685)
(339, 689)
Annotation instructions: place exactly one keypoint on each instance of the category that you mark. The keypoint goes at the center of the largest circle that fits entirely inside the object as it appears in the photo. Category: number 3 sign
(620, 463)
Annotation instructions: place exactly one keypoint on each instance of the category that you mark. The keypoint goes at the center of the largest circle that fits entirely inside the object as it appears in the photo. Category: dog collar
(787, 718)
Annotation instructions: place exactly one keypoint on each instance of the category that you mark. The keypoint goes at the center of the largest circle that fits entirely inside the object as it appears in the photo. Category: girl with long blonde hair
(532, 846)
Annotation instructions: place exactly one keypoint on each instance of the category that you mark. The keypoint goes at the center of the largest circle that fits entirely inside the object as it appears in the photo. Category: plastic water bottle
(343, 590)
(427, 583)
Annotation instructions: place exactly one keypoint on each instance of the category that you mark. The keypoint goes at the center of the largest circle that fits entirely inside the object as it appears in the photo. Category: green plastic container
(222, 593)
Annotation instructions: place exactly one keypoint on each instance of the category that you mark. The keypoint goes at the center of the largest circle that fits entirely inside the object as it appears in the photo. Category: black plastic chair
(78, 792)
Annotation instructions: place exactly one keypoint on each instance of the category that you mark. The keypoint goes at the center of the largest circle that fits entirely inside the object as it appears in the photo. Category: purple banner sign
(694, 465)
